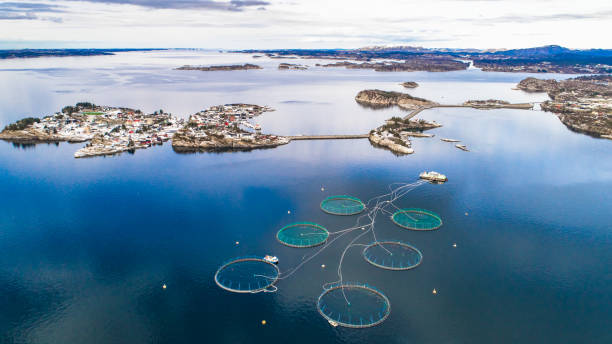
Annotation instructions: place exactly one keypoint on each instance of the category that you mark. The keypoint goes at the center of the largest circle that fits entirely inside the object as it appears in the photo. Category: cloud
(29, 7)
(232, 5)
(28, 11)
(560, 16)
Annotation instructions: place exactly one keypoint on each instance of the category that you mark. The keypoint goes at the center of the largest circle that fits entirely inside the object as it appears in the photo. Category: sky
(278, 24)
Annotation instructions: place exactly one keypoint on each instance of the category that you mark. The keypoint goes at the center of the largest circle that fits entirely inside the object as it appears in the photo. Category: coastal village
(225, 127)
(111, 130)
(583, 104)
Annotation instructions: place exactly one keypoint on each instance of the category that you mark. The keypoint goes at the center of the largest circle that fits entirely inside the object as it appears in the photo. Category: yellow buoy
(434, 291)
(164, 286)
(323, 266)
(263, 322)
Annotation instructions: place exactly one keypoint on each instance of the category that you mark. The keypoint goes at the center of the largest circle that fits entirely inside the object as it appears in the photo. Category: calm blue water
(86, 245)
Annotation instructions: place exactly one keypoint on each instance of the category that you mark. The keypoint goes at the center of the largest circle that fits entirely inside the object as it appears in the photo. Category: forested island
(30, 53)
(245, 66)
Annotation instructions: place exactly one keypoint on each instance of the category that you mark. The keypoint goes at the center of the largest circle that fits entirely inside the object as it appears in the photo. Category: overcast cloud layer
(238, 24)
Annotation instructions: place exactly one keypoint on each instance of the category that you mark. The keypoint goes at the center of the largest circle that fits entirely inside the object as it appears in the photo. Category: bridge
(328, 137)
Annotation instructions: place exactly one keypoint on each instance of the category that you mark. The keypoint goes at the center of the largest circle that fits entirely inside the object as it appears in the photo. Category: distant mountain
(29, 53)
(542, 52)
(547, 50)
(411, 49)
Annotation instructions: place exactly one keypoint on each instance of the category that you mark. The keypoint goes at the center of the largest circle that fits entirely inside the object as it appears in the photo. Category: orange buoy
(263, 322)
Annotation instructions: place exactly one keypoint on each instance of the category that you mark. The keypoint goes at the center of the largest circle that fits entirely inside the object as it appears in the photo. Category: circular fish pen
(353, 305)
(342, 205)
(417, 219)
(392, 255)
(247, 275)
(302, 234)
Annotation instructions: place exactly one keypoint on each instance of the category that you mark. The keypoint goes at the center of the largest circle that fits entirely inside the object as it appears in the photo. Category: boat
(271, 259)
(433, 176)
(462, 147)
(333, 323)
(450, 140)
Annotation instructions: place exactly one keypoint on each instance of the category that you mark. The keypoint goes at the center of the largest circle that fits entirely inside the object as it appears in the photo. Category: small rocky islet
(409, 84)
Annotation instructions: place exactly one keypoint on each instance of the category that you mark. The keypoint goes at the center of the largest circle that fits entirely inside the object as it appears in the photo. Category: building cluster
(225, 127)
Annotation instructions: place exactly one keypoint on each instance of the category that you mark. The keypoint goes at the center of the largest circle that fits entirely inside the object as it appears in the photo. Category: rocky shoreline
(222, 128)
(583, 104)
(382, 99)
(285, 66)
(395, 134)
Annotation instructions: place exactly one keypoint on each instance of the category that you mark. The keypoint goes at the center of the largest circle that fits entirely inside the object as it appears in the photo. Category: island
(245, 66)
(112, 130)
(495, 104)
(395, 134)
(413, 64)
(583, 104)
(410, 84)
(223, 128)
(382, 99)
(32, 53)
(109, 130)
(292, 66)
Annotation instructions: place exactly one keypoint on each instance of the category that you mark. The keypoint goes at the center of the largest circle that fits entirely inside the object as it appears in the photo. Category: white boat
(271, 259)
(449, 140)
(462, 147)
(433, 176)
